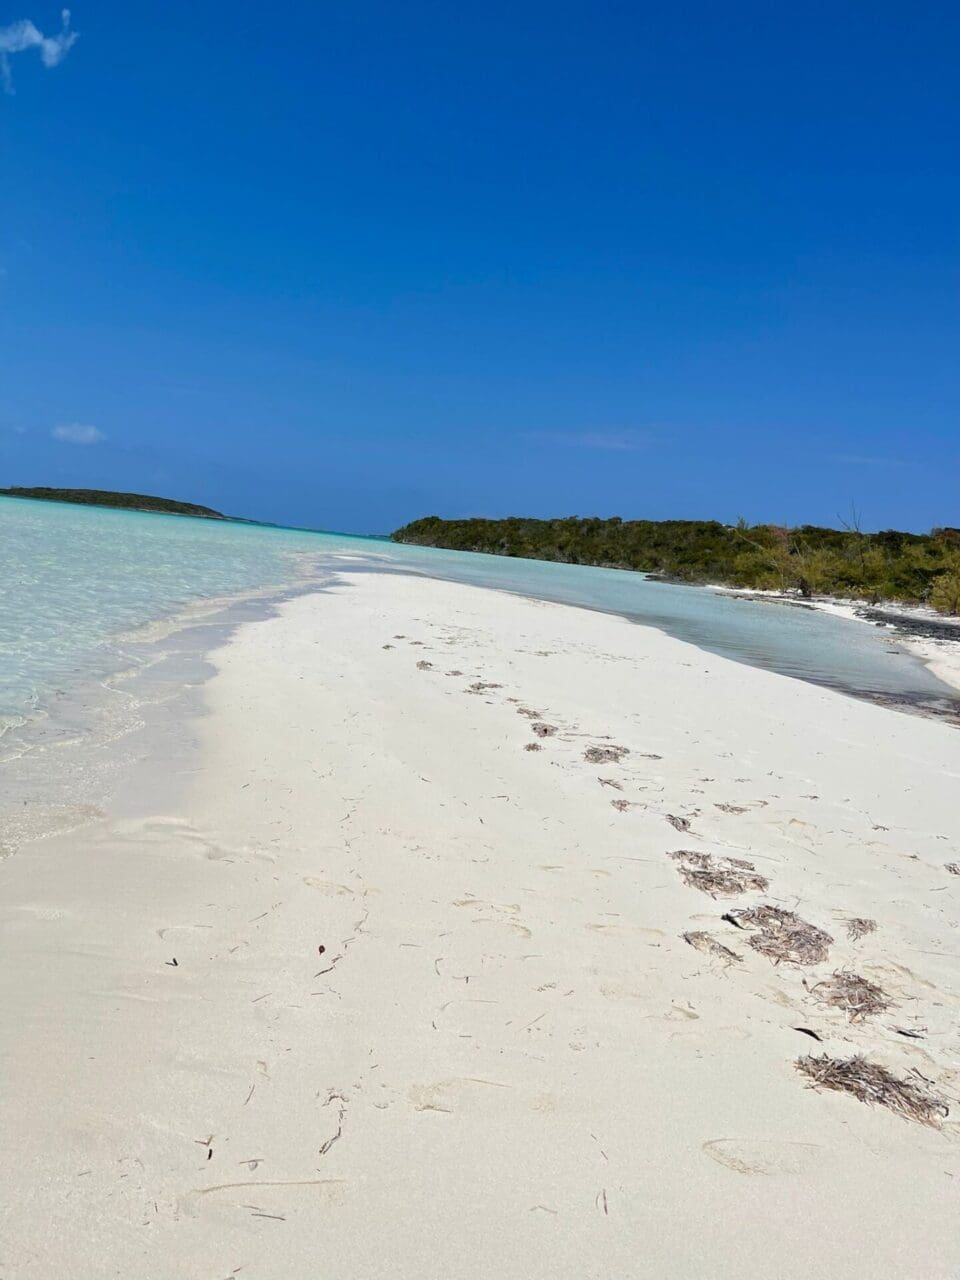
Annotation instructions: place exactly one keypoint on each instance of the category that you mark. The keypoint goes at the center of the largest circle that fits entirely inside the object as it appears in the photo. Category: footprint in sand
(328, 886)
(627, 991)
(437, 1097)
(766, 1157)
(627, 930)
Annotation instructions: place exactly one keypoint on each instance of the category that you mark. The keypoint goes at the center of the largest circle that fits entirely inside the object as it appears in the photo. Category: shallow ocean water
(76, 581)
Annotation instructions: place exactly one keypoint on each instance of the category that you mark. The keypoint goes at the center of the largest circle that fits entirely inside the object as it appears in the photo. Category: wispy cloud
(23, 35)
(77, 433)
(867, 460)
(609, 441)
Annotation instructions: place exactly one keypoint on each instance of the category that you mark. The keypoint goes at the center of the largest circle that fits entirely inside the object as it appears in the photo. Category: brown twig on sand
(873, 1083)
(858, 926)
(709, 946)
(782, 935)
(717, 877)
(857, 997)
(605, 755)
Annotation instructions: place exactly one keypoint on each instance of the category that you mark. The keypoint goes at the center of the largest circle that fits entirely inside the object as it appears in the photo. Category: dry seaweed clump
(782, 935)
(858, 926)
(710, 947)
(543, 730)
(857, 997)
(873, 1083)
(720, 877)
(605, 755)
(678, 824)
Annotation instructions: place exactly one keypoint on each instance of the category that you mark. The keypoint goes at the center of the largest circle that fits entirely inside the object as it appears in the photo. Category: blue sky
(342, 266)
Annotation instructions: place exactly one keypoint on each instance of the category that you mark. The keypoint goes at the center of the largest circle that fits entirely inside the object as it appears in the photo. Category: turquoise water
(73, 579)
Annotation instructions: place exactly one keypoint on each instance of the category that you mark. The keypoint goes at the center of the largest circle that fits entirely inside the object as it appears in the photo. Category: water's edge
(61, 768)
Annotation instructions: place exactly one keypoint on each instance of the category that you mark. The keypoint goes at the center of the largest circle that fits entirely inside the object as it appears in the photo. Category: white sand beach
(347, 982)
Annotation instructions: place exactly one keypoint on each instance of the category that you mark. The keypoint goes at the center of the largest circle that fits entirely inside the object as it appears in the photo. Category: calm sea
(74, 581)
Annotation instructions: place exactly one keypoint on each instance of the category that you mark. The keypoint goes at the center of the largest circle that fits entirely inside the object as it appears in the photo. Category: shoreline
(939, 653)
(433, 997)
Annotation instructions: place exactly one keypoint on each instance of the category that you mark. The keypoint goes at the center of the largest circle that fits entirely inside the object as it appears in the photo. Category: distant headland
(108, 498)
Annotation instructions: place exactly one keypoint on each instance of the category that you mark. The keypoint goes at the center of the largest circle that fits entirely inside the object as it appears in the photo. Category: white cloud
(77, 433)
(610, 441)
(23, 35)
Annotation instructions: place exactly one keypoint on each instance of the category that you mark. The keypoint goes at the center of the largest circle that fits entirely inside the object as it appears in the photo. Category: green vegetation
(107, 498)
(907, 567)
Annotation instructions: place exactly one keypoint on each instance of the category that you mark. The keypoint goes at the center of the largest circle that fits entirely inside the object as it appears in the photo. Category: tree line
(887, 566)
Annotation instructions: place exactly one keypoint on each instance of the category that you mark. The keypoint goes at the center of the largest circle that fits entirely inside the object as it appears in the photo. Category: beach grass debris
(856, 996)
(605, 755)
(718, 877)
(953, 868)
(782, 935)
(481, 686)
(875, 1084)
(859, 926)
(529, 713)
(621, 805)
(678, 824)
(533, 746)
(702, 941)
(731, 808)
(692, 857)
(543, 730)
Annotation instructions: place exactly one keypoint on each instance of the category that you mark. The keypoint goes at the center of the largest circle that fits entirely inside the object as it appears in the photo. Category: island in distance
(108, 498)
